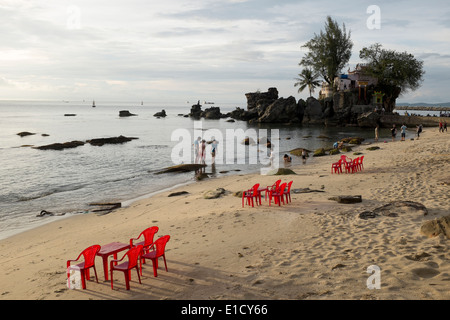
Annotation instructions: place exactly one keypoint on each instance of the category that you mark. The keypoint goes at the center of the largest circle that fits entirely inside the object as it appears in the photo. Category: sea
(66, 182)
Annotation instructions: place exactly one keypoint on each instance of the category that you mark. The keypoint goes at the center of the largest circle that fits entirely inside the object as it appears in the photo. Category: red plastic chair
(148, 235)
(337, 167)
(360, 164)
(275, 185)
(251, 194)
(159, 247)
(351, 167)
(89, 262)
(288, 192)
(277, 194)
(133, 255)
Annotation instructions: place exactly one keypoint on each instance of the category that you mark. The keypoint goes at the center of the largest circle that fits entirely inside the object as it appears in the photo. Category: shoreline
(311, 248)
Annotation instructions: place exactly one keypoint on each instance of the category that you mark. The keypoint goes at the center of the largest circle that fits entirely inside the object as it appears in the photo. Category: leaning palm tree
(307, 79)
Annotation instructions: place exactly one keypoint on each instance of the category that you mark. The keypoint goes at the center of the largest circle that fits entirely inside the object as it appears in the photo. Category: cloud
(180, 48)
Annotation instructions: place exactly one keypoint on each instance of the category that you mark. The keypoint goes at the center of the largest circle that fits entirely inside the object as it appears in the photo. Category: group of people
(442, 126)
(403, 128)
(200, 150)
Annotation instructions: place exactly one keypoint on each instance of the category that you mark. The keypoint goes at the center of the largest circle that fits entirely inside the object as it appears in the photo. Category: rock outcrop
(160, 114)
(126, 113)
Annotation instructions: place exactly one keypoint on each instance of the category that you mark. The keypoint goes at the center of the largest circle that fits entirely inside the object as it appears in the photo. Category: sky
(179, 50)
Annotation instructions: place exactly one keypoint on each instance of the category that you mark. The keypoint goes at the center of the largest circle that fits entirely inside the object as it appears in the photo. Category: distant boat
(206, 102)
(93, 104)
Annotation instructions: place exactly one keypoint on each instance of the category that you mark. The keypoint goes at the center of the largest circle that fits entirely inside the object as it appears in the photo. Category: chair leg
(83, 279)
(155, 267)
(139, 277)
(127, 279)
(111, 276)
(95, 271)
(165, 263)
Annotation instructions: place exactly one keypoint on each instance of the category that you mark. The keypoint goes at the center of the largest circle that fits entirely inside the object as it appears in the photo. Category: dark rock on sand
(347, 199)
(214, 194)
(180, 193)
(436, 227)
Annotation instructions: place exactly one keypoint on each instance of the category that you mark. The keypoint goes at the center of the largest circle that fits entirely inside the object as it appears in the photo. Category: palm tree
(307, 79)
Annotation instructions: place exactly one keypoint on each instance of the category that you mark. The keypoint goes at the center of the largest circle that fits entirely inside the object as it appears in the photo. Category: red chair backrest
(160, 245)
(149, 234)
(289, 186)
(89, 255)
(255, 188)
(133, 255)
(277, 183)
(282, 188)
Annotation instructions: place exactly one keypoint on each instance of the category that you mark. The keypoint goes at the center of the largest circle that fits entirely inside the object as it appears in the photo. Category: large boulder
(244, 115)
(261, 99)
(196, 111)
(313, 113)
(212, 113)
(281, 110)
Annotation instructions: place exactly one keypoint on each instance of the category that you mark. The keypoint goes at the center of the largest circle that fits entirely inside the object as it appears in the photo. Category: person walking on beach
(304, 155)
(440, 127)
(444, 127)
(419, 130)
(376, 132)
(393, 132)
(214, 149)
(403, 132)
(197, 149)
(203, 151)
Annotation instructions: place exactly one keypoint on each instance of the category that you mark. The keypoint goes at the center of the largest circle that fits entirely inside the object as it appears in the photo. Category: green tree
(307, 79)
(396, 72)
(329, 51)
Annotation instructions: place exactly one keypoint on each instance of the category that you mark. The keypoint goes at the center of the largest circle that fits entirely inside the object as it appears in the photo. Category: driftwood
(347, 199)
(106, 207)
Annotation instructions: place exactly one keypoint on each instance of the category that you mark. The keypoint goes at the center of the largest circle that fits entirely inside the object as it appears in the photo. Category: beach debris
(106, 208)
(434, 228)
(25, 133)
(395, 208)
(61, 146)
(338, 266)
(214, 194)
(347, 199)
(305, 190)
(373, 148)
(183, 168)
(126, 113)
(180, 193)
(44, 213)
(113, 140)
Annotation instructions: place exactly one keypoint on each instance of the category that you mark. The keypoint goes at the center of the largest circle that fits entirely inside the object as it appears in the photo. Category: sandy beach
(312, 248)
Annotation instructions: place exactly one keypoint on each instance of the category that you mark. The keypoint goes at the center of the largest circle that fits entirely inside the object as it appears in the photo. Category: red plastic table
(111, 249)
